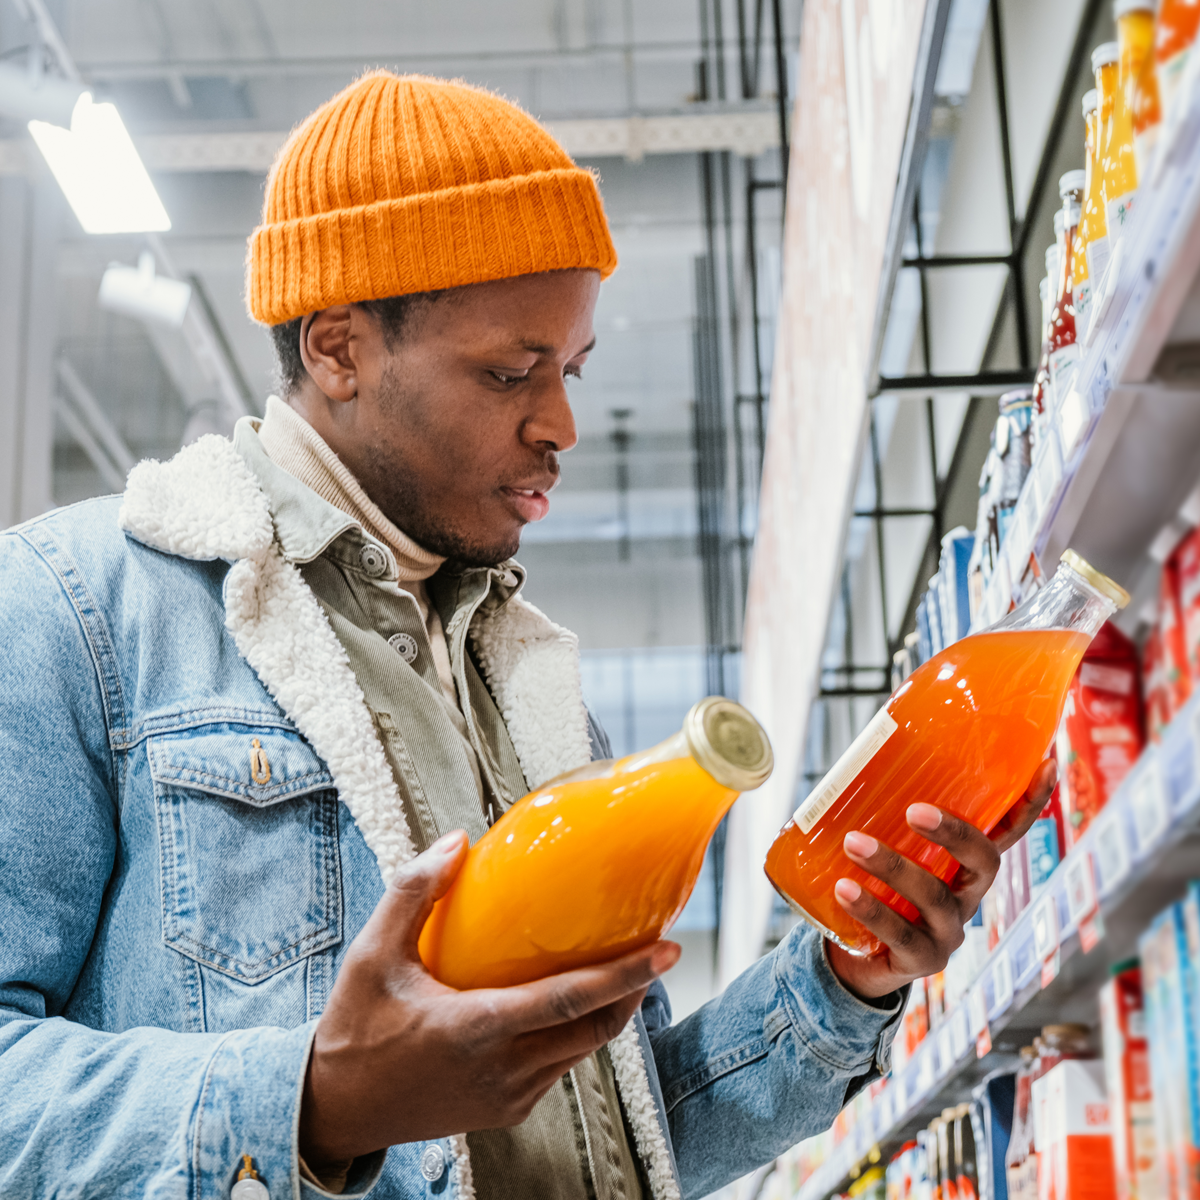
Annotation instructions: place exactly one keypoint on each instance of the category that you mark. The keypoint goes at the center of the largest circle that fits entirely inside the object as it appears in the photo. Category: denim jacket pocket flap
(259, 768)
(248, 848)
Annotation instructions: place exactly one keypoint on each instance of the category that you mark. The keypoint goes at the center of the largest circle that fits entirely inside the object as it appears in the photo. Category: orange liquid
(583, 870)
(973, 723)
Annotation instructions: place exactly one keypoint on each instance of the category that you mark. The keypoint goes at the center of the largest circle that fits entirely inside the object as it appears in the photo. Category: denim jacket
(172, 917)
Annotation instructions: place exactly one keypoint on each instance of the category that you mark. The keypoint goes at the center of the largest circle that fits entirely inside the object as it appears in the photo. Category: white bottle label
(861, 751)
(1064, 365)
(1116, 213)
(1098, 253)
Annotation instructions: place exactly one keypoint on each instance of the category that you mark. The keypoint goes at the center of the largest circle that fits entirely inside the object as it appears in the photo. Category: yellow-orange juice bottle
(597, 862)
(964, 732)
(1138, 79)
(1090, 222)
(1118, 165)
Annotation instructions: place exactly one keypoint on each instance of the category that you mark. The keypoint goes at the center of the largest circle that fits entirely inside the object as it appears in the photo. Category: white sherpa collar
(207, 504)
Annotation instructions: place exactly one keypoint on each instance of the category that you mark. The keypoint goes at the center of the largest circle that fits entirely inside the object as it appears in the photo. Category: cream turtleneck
(292, 443)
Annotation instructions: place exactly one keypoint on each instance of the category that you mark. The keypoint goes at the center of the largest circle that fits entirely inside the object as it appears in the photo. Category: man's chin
(485, 549)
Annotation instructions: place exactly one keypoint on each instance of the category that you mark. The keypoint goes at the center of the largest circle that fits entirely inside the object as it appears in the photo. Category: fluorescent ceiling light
(100, 172)
(139, 292)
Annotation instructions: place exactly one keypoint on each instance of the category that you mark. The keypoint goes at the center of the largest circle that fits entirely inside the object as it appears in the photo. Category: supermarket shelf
(1123, 452)
(1136, 858)
(1121, 460)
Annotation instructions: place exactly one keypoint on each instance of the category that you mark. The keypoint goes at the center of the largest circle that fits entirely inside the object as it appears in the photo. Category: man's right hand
(399, 1057)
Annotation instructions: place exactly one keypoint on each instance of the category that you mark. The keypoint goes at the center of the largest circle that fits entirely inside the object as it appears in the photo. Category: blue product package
(924, 642)
(933, 610)
(1042, 842)
(962, 544)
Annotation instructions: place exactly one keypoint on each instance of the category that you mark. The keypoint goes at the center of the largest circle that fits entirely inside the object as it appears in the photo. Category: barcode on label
(861, 751)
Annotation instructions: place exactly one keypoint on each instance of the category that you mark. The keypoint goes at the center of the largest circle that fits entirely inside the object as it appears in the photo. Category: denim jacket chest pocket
(248, 845)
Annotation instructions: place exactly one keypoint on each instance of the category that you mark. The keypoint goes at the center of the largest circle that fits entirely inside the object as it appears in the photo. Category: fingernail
(860, 844)
(448, 843)
(848, 890)
(924, 816)
(665, 957)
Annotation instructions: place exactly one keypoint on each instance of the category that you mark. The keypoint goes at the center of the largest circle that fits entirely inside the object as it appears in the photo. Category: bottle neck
(1068, 601)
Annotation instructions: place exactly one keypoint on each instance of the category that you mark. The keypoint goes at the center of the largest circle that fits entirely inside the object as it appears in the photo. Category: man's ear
(327, 352)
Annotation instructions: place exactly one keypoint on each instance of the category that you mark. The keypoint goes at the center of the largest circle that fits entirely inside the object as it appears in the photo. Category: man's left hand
(912, 949)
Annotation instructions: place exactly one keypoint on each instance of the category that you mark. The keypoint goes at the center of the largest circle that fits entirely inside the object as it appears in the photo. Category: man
(251, 713)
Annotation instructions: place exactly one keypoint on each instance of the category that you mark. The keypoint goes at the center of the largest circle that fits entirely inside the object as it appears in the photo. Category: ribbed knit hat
(404, 184)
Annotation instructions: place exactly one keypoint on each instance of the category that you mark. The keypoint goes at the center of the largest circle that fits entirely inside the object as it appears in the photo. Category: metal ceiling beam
(746, 130)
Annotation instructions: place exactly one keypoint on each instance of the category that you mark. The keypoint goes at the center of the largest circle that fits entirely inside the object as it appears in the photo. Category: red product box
(1100, 737)
(1127, 1078)
(1186, 566)
(1173, 644)
(1154, 686)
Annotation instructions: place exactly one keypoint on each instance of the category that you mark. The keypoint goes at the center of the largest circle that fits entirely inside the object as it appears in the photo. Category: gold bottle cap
(1114, 591)
(729, 744)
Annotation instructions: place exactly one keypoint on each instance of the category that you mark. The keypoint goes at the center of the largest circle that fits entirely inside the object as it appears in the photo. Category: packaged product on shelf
(998, 903)
(933, 1178)
(870, 1185)
(965, 732)
(924, 641)
(1100, 737)
(1020, 1141)
(1138, 79)
(1065, 349)
(1174, 32)
(1091, 221)
(902, 1171)
(1187, 564)
(966, 1167)
(935, 990)
(943, 1129)
(1013, 441)
(1021, 891)
(1118, 167)
(1057, 1044)
(1155, 701)
(955, 590)
(1072, 1134)
(640, 857)
(1127, 1076)
(1177, 677)
(913, 1027)
(993, 1113)
(1168, 984)
(1044, 841)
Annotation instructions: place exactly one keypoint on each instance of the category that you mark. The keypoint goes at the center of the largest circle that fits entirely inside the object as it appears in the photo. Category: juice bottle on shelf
(1065, 350)
(966, 1170)
(1091, 221)
(965, 732)
(1177, 680)
(933, 1171)
(1138, 80)
(1021, 1133)
(1175, 29)
(1118, 167)
(945, 1134)
(631, 833)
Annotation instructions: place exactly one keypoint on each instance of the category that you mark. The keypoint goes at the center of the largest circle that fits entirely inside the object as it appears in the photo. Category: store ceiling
(260, 66)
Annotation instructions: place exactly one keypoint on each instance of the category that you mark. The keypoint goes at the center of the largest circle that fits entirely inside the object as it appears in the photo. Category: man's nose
(552, 423)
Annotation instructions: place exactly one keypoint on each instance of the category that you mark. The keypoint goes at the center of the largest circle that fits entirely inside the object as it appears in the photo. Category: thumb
(401, 914)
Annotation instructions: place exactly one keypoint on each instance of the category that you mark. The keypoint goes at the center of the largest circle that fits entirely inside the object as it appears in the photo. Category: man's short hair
(393, 314)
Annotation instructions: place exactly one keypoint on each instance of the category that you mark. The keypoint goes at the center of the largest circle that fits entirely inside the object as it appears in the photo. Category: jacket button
(404, 645)
(433, 1163)
(373, 559)
(249, 1189)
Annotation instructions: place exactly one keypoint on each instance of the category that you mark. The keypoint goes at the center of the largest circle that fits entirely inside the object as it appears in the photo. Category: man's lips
(532, 504)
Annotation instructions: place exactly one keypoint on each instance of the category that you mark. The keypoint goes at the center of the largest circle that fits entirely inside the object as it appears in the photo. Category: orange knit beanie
(404, 184)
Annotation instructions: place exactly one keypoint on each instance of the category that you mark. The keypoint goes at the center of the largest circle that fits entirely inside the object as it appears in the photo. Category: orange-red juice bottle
(965, 732)
(597, 862)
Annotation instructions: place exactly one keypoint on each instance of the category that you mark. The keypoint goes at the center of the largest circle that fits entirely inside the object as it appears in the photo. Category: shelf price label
(1002, 981)
(1081, 887)
(1151, 815)
(1045, 927)
(1112, 850)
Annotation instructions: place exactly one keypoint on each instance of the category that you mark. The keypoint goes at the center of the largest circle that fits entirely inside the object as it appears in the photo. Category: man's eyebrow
(541, 348)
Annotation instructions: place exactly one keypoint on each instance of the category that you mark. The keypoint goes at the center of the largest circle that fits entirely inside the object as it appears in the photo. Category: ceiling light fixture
(139, 292)
(99, 170)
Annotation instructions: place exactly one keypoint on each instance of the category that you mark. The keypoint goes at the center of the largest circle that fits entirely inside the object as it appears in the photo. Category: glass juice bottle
(1138, 81)
(1065, 350)
(1174, 32)
(597, 862)
(1091, 222)
(1118, 167)
(965, 732)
